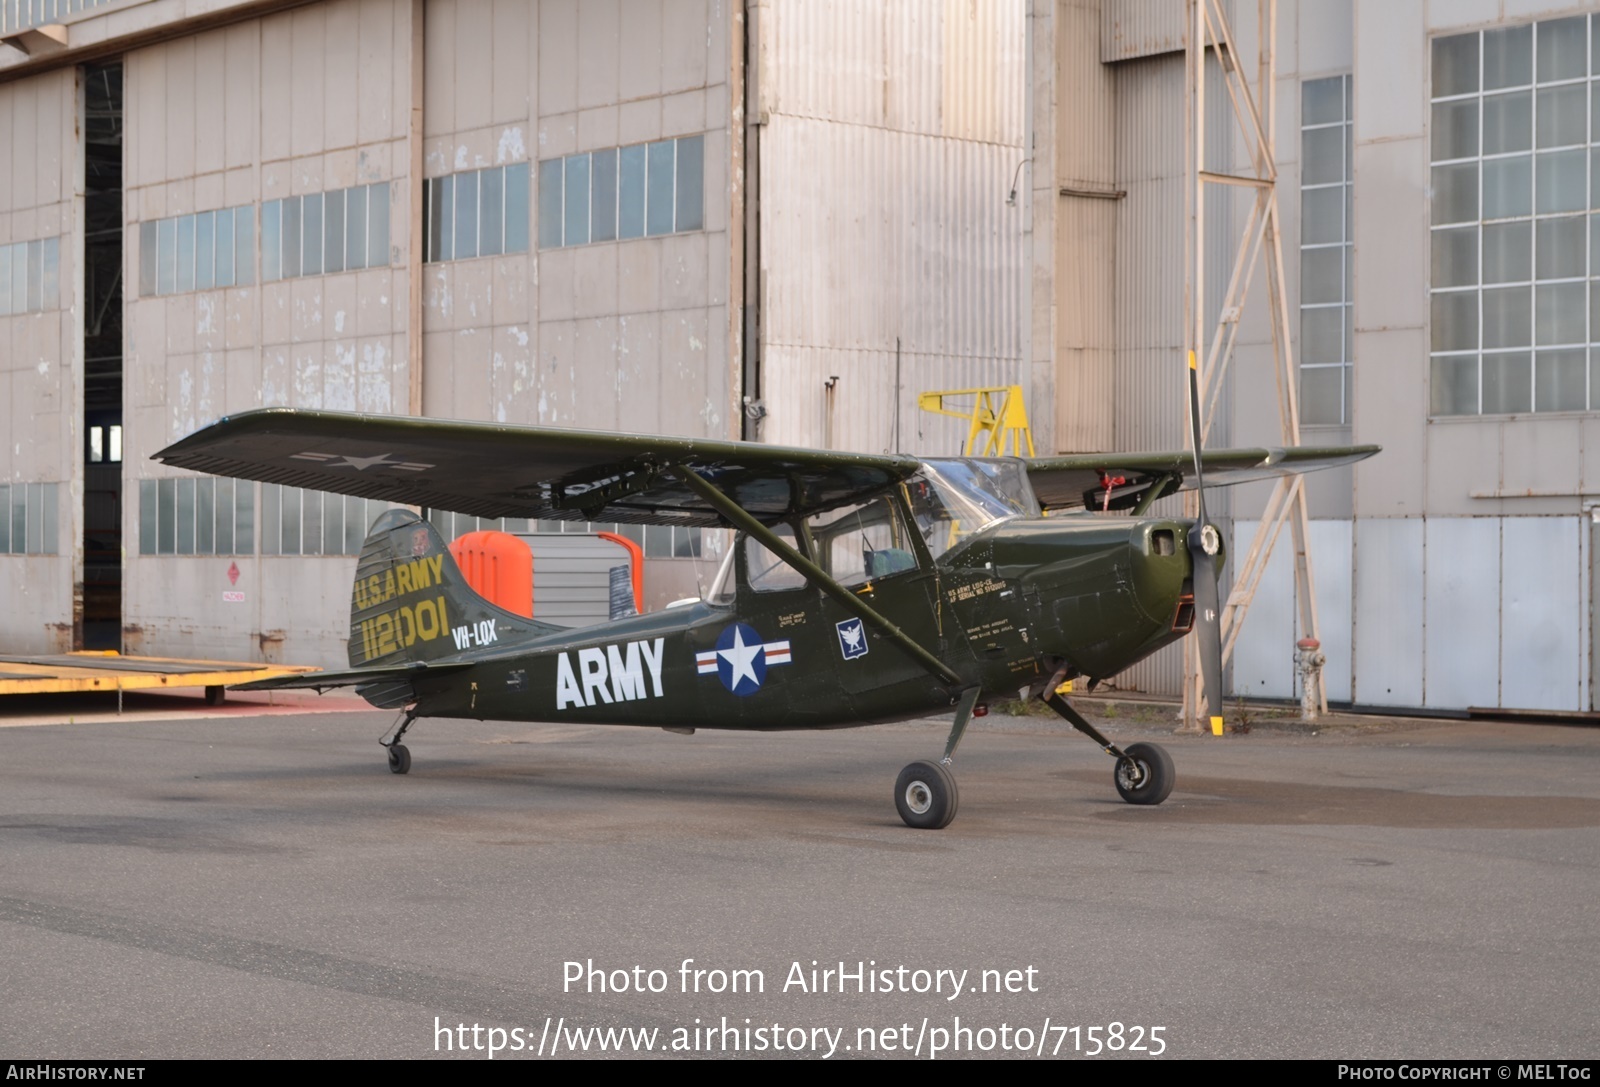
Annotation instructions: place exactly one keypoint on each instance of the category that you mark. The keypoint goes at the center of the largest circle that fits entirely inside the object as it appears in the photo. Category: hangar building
(676, 216)
(691, 216)
(1439, 178)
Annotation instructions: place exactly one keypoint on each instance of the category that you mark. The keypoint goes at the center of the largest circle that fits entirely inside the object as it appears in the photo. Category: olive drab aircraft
(858, 589)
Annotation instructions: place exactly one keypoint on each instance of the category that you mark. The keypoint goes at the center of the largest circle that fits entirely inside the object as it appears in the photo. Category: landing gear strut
(399, 755)
(925, 793)
(1144, 773)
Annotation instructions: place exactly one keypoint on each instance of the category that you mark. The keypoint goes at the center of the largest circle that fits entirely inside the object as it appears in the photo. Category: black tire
(925, 795)
(215, 695)
(1145, 776)
(399, 759)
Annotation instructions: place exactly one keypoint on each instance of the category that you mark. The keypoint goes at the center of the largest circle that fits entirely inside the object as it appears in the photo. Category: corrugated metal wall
(892, 133)
(1141, 28)
(1150, 394)
(1151, 386)
(950, 69)
(1078, 210)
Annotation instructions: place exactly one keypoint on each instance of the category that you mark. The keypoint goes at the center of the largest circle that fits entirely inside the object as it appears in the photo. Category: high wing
(547, 473)
(1122, 480)
(493, 470)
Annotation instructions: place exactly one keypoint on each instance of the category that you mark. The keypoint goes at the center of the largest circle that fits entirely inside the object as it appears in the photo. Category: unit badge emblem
(852, 638)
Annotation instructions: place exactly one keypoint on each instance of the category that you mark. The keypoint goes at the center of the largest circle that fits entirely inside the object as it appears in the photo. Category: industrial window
(325, 232)
(622, 192)
(30, 276)
(1325, 295)
(479, 213)
(658, 541)
(301, 522)
(105, 444)
(28, 519)
(191, 516)
(1515, 230)
(197, 252)
(19, 14)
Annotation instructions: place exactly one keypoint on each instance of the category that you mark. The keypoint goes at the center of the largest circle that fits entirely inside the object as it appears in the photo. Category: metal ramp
(110, 671)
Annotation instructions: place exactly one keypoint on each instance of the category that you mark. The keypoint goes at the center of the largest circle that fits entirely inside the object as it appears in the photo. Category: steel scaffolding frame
(1255, 113)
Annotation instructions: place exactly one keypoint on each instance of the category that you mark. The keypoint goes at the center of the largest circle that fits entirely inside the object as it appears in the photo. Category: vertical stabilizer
(410, 601)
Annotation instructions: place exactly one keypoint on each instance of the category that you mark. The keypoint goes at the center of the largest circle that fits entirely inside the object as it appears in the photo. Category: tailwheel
(1144, 774)
(399, 757)
(925, 795)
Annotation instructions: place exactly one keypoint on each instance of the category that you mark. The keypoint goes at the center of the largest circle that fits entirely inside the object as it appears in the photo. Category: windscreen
(952, 499)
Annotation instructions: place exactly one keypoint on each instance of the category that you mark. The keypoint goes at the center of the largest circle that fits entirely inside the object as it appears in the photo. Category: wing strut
(812, 572)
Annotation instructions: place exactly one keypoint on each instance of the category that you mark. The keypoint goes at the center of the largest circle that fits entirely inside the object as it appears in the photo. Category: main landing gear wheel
(925, 795)
(1144, 774)
(399, 759)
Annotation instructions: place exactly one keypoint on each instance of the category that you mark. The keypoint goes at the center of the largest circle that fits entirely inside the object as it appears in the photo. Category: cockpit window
(766, 572)
(952, 499)
(863, 542)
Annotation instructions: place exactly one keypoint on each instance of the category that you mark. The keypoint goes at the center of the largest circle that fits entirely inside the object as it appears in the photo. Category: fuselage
(1005, 608)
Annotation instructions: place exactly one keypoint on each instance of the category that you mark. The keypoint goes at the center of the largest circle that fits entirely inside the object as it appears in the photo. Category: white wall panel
(1391, 91)
(1389, 611)
(1543, 613)
(1331, 567)
(1325, 37)
(41, 392)
(1591, 530)
(1263, 655)
(1462, 612)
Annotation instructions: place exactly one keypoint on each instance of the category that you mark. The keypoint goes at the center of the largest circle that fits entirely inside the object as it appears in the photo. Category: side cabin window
(863, 542)
(764, 571)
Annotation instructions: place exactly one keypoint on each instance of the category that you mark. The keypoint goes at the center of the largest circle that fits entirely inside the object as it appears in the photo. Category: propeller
(1204, 543)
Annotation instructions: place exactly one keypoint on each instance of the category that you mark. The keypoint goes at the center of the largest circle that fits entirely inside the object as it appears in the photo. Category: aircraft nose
(1162, 572)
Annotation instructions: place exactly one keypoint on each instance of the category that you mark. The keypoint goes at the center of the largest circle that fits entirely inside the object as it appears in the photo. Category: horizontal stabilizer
(354, 677)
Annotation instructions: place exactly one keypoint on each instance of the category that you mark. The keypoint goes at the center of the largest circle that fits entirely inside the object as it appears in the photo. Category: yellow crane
(997, 415)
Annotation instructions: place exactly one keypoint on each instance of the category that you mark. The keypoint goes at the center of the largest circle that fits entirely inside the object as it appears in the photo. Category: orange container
(499, 567)
(635, 562)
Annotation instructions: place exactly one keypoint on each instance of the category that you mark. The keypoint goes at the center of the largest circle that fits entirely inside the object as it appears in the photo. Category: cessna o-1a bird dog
(859, 589)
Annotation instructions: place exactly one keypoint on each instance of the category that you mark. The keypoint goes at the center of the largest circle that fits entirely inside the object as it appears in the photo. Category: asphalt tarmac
(253, 882)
